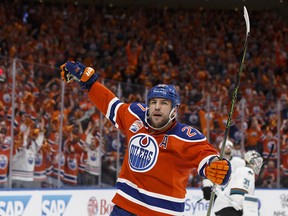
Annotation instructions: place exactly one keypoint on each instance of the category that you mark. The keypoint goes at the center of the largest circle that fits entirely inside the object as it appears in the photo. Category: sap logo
(54, 205)
(13, 205)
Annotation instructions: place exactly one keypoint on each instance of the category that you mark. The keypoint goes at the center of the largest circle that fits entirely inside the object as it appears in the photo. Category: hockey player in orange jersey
(161, 151)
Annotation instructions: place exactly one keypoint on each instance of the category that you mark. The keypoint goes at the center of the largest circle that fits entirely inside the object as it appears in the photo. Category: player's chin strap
(171, 118)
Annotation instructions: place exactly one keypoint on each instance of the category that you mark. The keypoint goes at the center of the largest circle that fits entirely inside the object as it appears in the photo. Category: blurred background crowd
(59, 139)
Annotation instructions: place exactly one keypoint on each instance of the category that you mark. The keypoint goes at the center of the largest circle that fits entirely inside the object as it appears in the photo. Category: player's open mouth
(157, 115)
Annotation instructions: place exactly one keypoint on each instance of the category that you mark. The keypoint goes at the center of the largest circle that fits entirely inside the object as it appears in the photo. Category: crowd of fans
(198, 50)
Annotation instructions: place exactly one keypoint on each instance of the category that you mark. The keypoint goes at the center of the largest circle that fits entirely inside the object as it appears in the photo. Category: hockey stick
(270, 153)
(265, 161)
(198, 201)
(234, 97)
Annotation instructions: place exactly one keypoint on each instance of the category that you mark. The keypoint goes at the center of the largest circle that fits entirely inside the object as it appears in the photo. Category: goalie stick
(234, 97)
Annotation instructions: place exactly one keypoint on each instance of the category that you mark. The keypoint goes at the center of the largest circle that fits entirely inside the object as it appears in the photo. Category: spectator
(269, 175)
(24, 159)
(4, 157)
(253, 135)
(94, 152)
(270, 145)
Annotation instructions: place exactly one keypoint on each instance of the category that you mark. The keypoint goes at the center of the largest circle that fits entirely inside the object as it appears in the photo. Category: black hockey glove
(207, 192)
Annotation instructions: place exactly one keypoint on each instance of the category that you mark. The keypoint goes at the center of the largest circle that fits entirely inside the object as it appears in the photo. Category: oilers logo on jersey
(72, 164)
(93, 156)
(143, 152)
(30, 158)
(3, 161)
(38, 159)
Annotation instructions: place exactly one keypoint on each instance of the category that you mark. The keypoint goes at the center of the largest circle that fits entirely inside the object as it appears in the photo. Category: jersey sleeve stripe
(116, 110)
(133, 113)
(109, 106)
(3, 179)
(112, 110)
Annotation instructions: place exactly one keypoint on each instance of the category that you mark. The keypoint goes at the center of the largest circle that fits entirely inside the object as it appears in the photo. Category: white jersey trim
(152, 194)
(115, 110)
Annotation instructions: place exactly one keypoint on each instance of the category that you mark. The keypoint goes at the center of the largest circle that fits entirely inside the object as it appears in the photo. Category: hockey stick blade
(234, 97)
(246, 17)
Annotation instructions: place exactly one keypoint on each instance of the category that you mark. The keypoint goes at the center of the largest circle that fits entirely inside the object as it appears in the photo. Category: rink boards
(97, 202)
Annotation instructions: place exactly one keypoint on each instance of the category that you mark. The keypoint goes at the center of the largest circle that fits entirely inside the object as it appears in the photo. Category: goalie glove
(218, 171)
(86, 76)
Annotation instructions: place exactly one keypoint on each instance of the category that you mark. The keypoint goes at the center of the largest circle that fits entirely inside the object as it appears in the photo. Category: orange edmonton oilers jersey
(156, 167)
(4, 163)
(40, 166)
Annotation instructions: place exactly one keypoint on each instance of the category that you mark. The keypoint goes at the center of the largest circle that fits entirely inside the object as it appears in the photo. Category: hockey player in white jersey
(237, 199)
(235, 162)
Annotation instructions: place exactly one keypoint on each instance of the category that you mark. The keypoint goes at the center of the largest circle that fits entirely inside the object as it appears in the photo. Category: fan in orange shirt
(253, 134)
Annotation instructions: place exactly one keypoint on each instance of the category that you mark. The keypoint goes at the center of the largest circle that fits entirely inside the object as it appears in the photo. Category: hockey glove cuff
(218, 171)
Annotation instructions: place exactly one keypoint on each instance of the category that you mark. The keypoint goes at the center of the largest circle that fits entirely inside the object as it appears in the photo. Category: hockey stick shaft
(265, 161)
(234, 97)
(237, 84)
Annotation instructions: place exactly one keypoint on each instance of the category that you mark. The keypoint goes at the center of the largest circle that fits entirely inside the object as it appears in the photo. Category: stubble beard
(159, 124)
